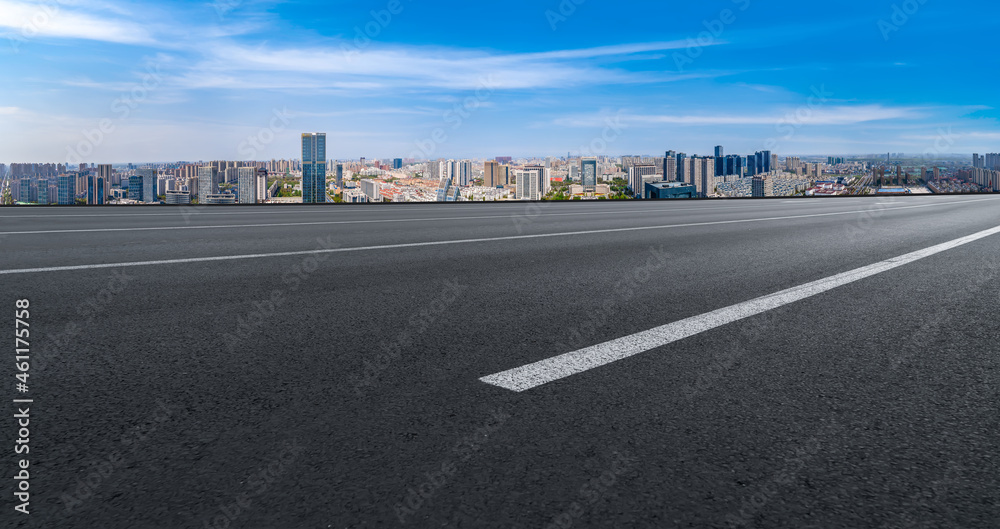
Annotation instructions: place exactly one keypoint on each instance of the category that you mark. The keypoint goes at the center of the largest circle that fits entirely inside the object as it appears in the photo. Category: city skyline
(108, 81)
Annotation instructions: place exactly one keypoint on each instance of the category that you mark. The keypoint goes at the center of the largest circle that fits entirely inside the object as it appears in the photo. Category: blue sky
(239, 79)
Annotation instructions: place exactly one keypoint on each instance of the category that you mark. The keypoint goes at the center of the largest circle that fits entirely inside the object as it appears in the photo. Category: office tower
(397, 163)
(314, 167)
(543, 180)
(147, 185)
(96, 192)
(588, 174)
(491, 174)
(764, 161)
(528, 183)
(975, 161)
(247, 183)
(208, 182)
(67, 190)
(720, 162)
(135, 188)
(773, 166)
(503, 160)
(340, 175)
(638, 175)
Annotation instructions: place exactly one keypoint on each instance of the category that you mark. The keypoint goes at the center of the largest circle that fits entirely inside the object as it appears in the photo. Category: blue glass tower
(588, 173)
(67, 189)
(313, 167)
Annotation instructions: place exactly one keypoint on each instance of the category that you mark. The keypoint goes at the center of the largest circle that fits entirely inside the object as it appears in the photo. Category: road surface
(775, 363)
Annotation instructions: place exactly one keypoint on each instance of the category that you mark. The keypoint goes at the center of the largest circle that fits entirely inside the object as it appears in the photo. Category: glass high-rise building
(147, 186)
(135, 188)
(720, 162)
(96, 192)
(588, 173)
(67, 189)
(313, 167)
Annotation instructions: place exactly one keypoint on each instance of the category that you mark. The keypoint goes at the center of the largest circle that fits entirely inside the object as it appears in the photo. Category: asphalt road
(337, 384)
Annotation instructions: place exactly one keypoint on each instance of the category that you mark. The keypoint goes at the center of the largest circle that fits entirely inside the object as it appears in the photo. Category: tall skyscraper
(491, 173)
(208, 182)
(397, 163)
(147, 186)
(67, 189)
(720, 162)
(97, 192)
(135, 188)
(340, 175)
(588, 174)
(763, 162)
(314, 167)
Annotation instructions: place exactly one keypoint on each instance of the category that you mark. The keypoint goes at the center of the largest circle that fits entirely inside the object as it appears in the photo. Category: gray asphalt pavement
(324, 370)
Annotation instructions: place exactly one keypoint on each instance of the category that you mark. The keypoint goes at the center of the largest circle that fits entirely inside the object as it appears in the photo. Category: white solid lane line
(551, 369)
(439, 243)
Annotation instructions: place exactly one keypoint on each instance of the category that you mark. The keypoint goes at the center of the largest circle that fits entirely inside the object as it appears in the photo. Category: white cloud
(837, 115)
(444, 68)
(28, 20)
